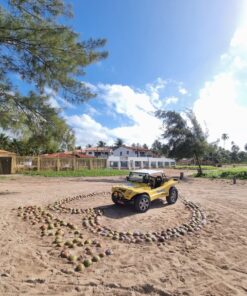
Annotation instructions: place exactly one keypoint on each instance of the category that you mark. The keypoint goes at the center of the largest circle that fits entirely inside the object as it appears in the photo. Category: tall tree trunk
(199, 164)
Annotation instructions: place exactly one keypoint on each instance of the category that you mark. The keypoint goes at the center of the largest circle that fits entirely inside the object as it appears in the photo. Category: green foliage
(101, 144)
(159, 148)
(119, 142)
(228, 173)
(216, 154)
(80, 173)
(194, 167)
(184, 140)
(47, 137)
(43, 54)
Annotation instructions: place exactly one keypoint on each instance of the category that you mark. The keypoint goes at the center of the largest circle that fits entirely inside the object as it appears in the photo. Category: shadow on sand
(117, 212)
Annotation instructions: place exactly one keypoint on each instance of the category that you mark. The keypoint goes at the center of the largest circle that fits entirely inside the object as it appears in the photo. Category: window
(114, 164)
(121, 153)
(124, 164)
(127, 152)
(137, 164)
(90, 153)
(145, 164)
(160, 164)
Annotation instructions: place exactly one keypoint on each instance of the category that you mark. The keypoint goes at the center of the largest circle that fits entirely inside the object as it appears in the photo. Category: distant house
(58, 155)
(67, 154)
(126, 157)
(7, 162)
(140, 162)
(132, 151)
(99, 152)
(186, 161)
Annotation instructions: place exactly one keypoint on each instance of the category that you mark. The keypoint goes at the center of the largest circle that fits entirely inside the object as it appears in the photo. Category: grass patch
(194, 167)
(227, 173)
(79, 173)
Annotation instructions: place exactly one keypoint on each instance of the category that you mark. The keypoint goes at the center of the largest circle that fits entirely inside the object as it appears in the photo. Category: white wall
(123, 151)
(139, 162)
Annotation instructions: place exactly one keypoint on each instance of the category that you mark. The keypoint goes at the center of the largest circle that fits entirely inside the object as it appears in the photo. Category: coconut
(89, 251)
(79, 268)
(87, 262)
(96, 259)
(87, 242)
(72, 258)
(75, 240)
(64, 254)
(50, 226)
(108, 252)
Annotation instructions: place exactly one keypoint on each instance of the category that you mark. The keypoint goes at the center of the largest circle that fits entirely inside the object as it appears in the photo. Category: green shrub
(228, 173)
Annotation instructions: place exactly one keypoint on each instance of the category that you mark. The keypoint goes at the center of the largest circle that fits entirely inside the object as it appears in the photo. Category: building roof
(98, 149)
(4, 152)
(58, 155)
(81, 155)
(67, 154)
(137, 148)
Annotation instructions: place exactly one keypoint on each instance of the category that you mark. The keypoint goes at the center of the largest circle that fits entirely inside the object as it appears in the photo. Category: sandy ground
(210, 262)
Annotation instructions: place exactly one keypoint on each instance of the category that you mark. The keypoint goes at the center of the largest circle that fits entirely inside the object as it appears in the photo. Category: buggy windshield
(138, 177)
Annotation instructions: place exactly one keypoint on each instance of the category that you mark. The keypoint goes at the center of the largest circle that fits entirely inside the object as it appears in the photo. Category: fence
(37, 163)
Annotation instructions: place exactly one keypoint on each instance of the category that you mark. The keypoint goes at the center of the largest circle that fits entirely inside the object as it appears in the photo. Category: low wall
(37, 163)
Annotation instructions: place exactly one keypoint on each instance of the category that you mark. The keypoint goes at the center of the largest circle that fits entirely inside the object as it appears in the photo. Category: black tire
(115, 200)
(173, 196)
(142, 203)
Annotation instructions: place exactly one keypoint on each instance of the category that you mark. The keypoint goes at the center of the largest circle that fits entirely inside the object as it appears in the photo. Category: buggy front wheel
(173, 196)
(142, 203)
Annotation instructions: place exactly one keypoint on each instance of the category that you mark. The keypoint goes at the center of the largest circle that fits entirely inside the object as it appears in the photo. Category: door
(5, 165)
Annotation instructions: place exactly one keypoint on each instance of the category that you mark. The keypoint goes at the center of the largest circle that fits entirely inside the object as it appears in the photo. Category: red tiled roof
(66, 155)
(6, 152)
(80, 155)
(58, 155)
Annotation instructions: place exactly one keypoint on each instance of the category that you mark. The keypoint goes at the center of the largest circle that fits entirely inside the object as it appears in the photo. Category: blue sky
(169, 54)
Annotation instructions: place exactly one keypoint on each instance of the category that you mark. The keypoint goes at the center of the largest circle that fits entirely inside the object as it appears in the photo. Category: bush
(228, 173)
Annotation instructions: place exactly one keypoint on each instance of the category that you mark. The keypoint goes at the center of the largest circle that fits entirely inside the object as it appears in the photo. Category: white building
(132, 151)
(134, 162)
(99, 152)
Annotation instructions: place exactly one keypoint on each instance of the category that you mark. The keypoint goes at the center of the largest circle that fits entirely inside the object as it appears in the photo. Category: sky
(163, 54)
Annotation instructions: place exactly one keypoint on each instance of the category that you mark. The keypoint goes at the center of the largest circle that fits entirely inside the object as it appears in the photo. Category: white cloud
(222, 102)
(171, 100)
(122, 100)
(132, 110)
(182, 90)
(87, 130)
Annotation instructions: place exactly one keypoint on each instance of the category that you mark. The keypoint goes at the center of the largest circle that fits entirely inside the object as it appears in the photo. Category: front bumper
(119, 197)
